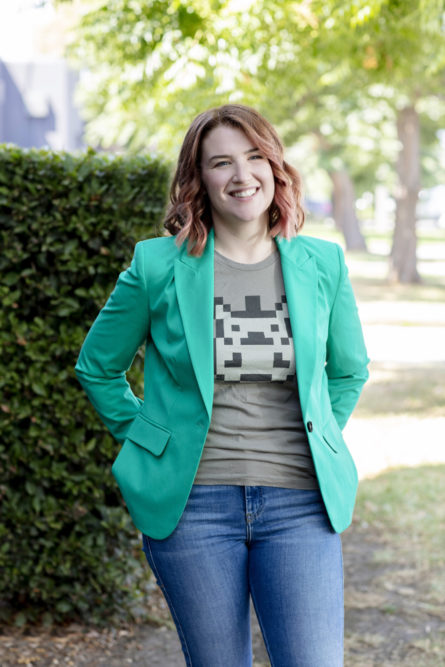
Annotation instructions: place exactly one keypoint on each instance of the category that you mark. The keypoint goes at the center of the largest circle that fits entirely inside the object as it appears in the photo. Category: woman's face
(238, 178)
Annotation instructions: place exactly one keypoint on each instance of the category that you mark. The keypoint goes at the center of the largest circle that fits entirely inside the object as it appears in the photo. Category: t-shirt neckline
(267, 261)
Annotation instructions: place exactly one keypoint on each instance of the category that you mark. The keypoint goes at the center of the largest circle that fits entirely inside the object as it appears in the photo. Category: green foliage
(68, 225)
(154, 65)
(328, 74)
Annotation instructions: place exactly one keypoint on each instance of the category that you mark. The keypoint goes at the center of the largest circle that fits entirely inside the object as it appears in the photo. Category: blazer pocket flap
(148, 435)
(332, 435)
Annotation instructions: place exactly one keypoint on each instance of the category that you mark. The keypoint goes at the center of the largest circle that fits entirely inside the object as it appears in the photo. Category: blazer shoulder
(327, 254)
(155, 258)
(322, 249)
(329, 258)
(158, 245)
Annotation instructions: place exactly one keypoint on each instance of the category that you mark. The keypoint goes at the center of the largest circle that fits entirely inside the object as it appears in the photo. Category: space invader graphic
(254, 344)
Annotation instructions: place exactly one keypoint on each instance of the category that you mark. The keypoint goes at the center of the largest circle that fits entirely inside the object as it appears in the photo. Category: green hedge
(68, 225)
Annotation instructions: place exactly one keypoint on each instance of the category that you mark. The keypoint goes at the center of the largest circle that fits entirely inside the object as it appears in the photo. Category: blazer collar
(194, 278)
(292, 250)
(300, 277)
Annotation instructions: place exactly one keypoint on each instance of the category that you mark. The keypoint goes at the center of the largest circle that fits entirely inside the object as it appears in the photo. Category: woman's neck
(244, 249)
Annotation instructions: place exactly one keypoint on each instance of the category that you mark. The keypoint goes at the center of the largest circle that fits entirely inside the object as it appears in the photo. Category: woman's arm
(346, 357)
(110, 346)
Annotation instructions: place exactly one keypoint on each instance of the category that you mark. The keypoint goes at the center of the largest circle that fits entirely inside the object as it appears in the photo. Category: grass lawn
(394, 551)
(395, 570)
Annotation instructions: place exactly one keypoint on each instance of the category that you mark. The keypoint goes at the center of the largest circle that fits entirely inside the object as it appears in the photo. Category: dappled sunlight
(403, 389)
(375, 265)
(394, 562)
(400, 418)
(369, 271)
(431, 290)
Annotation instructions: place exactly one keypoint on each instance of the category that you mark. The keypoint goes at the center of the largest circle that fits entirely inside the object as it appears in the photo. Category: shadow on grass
(431, 290)
(394, 570)
(408, 389)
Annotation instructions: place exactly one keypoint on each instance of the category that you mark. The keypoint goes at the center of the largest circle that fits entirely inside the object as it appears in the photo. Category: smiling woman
(218, 162)
(234, 467)
(240, 186)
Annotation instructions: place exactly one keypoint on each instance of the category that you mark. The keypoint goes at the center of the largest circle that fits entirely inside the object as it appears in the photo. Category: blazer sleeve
(346, 357)
(111, 344)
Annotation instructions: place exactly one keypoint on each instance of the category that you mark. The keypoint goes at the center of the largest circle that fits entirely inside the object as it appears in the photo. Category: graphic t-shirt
(256, 434)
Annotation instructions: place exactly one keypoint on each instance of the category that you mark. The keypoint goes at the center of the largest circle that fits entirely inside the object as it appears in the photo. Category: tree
(389, 52)
(214, 58)
(410, 63)
(156, 64)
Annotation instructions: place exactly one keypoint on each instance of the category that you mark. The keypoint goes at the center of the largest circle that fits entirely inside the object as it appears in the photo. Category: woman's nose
(242, 172)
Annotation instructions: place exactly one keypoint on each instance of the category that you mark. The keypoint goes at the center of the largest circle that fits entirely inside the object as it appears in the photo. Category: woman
(234, 467)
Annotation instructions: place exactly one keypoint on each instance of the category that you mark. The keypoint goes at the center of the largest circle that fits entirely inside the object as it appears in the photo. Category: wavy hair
(188, 215)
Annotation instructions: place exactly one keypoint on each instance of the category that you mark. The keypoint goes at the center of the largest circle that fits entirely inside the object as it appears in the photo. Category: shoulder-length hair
(188, 215)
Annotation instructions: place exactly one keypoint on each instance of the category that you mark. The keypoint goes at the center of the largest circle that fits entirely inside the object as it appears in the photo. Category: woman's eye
(223, 163)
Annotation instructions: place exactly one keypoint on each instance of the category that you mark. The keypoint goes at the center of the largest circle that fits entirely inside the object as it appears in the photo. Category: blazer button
(310, 427)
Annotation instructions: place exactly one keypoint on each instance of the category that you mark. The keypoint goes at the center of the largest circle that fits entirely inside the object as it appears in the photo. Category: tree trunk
(403, 261)
(343, 202)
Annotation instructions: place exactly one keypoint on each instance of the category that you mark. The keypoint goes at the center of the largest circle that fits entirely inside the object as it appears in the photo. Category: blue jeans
(273, 544)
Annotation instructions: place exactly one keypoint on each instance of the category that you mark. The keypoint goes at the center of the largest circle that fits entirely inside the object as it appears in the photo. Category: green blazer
(165, 301)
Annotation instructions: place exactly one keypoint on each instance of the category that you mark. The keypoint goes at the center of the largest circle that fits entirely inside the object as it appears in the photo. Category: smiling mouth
(244, 194)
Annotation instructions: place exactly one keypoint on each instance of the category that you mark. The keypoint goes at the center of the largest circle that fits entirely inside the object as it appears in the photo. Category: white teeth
(244, 193)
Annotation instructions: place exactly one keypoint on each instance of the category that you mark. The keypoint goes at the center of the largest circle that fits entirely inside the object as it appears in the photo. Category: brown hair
(188, 214)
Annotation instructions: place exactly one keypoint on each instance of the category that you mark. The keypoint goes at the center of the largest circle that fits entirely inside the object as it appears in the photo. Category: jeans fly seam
(252, 516)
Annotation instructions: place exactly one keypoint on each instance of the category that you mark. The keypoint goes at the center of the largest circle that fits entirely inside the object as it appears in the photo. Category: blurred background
(356, 90)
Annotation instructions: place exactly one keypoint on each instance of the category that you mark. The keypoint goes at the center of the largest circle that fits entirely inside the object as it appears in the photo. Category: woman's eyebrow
(251, 150)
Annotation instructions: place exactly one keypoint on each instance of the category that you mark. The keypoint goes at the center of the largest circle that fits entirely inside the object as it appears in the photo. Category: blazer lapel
(301, 283)
(194, 278)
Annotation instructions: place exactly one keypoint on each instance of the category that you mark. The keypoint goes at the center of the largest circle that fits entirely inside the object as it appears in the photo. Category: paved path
(404, 335)
(388, 442)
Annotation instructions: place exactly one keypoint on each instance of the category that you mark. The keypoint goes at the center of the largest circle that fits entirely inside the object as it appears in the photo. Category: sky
(19, 21)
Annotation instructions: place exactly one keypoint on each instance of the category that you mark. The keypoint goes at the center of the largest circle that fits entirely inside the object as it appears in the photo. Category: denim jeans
(273, 544)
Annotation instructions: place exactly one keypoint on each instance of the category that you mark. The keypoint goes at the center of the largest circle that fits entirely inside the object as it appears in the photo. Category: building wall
(37, 105)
